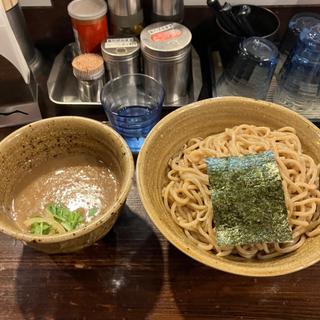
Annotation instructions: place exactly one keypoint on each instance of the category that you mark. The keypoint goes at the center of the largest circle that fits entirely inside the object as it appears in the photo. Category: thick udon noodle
(187, 195)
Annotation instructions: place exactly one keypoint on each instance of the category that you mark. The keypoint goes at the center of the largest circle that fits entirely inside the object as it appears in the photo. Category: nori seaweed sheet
(248, 200)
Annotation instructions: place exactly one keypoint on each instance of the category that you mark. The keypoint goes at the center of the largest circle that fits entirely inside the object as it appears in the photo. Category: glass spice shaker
(126, 17)
(89, 70)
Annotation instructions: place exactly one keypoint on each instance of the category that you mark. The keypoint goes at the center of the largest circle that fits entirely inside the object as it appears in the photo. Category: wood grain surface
(134, 273)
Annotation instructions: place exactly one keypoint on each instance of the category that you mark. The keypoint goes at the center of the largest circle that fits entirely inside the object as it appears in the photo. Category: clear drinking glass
(298, 84)
(250, 74)
(299, 22)
(133, 104)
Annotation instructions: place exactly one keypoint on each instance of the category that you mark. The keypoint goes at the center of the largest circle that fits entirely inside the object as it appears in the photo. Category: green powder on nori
(248, 200)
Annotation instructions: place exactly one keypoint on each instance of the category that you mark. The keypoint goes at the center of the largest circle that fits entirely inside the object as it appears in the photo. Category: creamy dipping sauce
(77, 181)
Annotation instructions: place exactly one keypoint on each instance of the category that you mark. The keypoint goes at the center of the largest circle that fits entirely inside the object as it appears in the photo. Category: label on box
(164, 33)
(160, 29)
(121, 43)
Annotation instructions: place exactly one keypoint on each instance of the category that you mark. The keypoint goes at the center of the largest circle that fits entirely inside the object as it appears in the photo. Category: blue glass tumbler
(299, 22)
(250, 74)
(133, 104)
(298, 84)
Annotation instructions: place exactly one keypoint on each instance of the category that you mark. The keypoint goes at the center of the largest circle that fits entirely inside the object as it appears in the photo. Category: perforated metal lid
(166, 40)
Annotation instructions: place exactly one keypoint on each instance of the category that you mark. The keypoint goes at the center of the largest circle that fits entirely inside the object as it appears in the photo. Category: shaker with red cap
(89, 22)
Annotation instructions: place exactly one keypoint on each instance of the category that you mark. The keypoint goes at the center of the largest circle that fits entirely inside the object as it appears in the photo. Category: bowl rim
(91, 226)
(217, 262)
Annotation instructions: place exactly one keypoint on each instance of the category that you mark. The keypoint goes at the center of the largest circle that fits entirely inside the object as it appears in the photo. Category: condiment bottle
(166, 50)
(89, 70)
(126, 17)
(89, 22)
(167, 10)
(121, 56)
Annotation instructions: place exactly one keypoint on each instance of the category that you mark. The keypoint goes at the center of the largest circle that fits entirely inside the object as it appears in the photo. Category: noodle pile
(187, 196)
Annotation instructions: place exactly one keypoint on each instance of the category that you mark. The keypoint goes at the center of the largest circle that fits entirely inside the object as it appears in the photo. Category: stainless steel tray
(63, 89)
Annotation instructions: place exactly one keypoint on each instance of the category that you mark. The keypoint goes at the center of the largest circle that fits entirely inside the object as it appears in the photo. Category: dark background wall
(51, 27)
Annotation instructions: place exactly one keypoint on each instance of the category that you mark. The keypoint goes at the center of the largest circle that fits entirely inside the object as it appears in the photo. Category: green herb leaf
(92, 212)
(73, 219)
(70, 220)
(40, 228)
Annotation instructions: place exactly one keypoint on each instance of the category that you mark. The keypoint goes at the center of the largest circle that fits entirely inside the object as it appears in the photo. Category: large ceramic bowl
(35, 143)
(202, 119)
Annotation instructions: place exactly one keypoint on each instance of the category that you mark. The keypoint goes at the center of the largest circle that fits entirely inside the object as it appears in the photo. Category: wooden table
(134, 273)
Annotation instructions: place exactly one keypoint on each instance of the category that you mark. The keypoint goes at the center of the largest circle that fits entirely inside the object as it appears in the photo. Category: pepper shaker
(89, 70)
(121, 55)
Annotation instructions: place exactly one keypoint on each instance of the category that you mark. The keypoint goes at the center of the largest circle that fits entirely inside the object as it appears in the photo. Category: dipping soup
(79, 184)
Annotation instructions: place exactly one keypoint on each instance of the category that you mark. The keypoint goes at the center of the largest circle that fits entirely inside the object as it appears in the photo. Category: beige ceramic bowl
(202, 119)
(42, 140)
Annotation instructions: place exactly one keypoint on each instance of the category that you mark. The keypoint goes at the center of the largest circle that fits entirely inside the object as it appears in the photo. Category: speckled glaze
(202, 119)
(45, 139)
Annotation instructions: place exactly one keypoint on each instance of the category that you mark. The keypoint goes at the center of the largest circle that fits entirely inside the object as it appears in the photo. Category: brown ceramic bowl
(37, 142)
(202, 119)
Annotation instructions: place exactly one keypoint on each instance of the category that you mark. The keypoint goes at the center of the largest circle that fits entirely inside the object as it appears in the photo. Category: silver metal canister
(166, 49)
(121, 56)
(126, 17)
(167, 10)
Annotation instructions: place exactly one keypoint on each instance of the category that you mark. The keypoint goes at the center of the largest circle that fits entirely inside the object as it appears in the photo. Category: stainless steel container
(124, 7)
(166, 49)
(126, 17)
(121, 56)
(168, 10)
